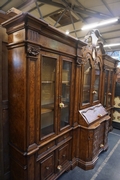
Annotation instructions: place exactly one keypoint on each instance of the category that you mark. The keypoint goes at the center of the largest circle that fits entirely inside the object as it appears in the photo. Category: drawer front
(46, 148)
(63, 138)
(63, 154)
(47, 167)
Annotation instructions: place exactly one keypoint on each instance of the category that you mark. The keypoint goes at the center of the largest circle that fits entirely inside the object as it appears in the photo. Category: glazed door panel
(110, 86)
(105, 87)
(96, 83)
(65, 95)
(87, 72)
(49, 83)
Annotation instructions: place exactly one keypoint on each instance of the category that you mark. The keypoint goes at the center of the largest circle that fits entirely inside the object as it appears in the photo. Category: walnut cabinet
(42, 63)
(53, 81)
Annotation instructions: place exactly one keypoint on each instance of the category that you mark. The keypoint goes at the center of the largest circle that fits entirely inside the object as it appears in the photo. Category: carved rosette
(33, 50)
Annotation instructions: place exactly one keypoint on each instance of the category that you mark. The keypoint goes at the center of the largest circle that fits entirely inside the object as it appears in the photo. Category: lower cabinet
(52, 162)
(93, 136)
(93, 140)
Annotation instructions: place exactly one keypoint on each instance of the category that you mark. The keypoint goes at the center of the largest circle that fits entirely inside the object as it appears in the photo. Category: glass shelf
(48, 82)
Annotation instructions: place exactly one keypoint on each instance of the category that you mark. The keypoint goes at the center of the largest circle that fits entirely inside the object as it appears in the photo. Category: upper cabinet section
(109, 76)
(91, 74)
(42, 64)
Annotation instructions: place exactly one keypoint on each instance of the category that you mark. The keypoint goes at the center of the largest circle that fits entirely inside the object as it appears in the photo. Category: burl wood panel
(4, 125)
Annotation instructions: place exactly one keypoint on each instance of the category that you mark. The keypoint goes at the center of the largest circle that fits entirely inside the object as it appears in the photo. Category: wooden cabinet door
(108, 88)
(65, 110)
(86, 83)
(47, 167)
(63, 157)
(96, 86)
(49, 79)
(56, 97)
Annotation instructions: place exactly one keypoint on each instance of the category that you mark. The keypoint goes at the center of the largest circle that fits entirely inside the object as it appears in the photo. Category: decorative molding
(33, 50)
(78, 60)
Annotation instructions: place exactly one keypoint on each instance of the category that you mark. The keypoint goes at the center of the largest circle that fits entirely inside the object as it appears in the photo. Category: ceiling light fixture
(67, 32)
(111, 45)
(102, 23)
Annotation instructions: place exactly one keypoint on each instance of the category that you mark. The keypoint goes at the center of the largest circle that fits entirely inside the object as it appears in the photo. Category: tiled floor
(107, 166)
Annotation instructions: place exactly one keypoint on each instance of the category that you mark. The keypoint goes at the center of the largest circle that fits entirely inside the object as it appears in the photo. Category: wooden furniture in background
(109, 79)
(4, 122)
(4, 125)
(116, 109)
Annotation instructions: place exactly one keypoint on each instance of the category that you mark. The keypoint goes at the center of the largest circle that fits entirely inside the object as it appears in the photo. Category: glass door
(86, 83)
(109, 100)
(106, 87)
(96, 85)
(48, 81)
(65, 91)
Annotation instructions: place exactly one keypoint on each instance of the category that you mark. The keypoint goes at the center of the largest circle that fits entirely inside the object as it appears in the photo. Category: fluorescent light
(102, 23)
(67, 32)
(111, 45)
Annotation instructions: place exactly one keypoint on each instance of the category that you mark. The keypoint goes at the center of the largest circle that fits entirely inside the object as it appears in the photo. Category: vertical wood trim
(31, 101)
(37, 99)
(1, 126)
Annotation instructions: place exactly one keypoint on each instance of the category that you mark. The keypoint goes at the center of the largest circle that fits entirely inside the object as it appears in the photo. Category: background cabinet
(4, 125)
(116, 109)
(109, 78)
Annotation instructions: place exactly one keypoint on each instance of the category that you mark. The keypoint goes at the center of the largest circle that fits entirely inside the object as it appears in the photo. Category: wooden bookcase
(49, 89)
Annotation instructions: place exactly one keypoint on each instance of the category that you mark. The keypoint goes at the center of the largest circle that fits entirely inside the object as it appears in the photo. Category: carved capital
(33, 50)
(78, 60)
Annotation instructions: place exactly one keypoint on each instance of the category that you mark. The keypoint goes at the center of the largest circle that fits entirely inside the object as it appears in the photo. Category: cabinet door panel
(105, 87)
(109, 100)
(96, 84)
(86, 83)
(48, 93)
(47, 167)
(65, 92)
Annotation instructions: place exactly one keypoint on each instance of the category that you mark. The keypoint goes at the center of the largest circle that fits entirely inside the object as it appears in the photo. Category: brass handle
(109, 94)
(99, 115)
(94, 92)
(61, 105)
(59, 167)
(47, 168)
(63, 155)
(48, 147)
(101, 145)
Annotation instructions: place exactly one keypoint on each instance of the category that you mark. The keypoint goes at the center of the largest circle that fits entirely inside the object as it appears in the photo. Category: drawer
(63, 138)
(47, 167)
(46, 148)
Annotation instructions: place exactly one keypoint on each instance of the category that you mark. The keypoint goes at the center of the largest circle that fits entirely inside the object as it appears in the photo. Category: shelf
(43, 110)
(65, 82)
(47, 82)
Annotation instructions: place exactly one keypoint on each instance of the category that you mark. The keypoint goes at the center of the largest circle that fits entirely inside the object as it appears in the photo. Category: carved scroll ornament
(33, 50)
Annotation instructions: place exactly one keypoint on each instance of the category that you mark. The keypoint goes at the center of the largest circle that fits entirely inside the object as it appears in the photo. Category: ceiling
(71, 15)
